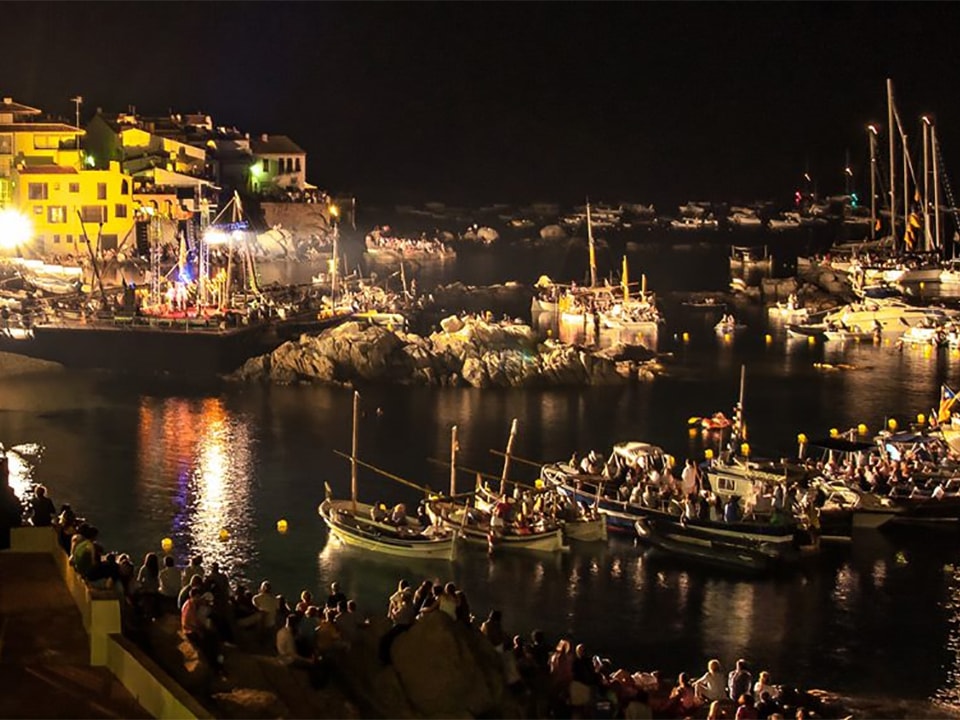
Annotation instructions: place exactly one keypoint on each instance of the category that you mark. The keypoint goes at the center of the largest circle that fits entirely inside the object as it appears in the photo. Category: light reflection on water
(199, 458)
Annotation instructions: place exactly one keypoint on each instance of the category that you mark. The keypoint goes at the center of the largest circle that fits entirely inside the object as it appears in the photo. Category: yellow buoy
(708, 453)
(166, 544)
(538, 484)
(834, 433)
(921, 419)
(282, 526)
(224, 534)
(862, 429)
(549, 332)
(811, 339)
(768, 338)
(686, 337)
(802, 439)
(726, 337)
(892, 424)
(745, 449)
(692, 432)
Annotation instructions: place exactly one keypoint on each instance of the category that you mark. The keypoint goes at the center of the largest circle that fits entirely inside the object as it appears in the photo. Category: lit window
(38, 209)
(56, 214)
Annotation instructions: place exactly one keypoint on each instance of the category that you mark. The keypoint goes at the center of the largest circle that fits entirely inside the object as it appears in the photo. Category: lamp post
(77, 102)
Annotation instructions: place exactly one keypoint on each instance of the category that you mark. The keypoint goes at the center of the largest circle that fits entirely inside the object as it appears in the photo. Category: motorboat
(887, 316)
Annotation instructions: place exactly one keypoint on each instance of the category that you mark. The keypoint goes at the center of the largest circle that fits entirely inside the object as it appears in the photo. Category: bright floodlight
(215, 237)
(15, 229)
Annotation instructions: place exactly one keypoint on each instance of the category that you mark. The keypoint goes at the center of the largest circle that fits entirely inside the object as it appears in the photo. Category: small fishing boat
(728, 326)
(716, 422)
(370, 527)
(851, 335)
(492, 531)
(753, 547)
(602, 490)
(706, 303)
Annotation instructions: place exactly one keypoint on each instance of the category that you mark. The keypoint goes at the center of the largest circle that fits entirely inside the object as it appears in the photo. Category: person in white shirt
(268, 604)
(194, 568)
(712, 685)
(688, 478)
(287, 642)
(170, 578)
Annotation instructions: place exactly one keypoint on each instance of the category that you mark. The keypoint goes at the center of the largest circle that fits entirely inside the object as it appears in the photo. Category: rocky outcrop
(478, 298)
(437, 669)
(469, 351)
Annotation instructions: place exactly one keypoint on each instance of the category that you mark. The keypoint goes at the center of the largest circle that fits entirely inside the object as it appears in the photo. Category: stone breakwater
(464, 352)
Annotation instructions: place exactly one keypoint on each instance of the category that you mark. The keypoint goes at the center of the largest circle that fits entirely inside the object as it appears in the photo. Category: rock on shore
(464, 352)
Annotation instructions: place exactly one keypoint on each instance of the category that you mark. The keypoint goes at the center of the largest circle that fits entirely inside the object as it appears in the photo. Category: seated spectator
(287, 641)
(336, 596)
(66, 526)
(683, 698)
(42, 509)
(269, 605)
(493, 630)
(711, 686)
(196, 582)
(306, 600)
(83, 556)
(170, 578)
(194, 568)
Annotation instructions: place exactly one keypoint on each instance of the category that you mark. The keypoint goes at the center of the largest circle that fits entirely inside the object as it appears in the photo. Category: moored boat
(372, 527)
(754, 547)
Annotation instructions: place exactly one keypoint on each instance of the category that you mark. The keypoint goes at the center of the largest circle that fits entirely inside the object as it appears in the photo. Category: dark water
(148, 459)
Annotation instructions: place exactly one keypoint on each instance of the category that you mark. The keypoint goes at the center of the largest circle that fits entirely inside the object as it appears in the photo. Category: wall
(156, 691)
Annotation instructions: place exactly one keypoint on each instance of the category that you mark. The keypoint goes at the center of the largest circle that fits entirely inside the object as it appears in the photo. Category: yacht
(883, 315)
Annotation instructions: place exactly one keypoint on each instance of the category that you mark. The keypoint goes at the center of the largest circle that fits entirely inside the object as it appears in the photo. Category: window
(56, 214)
(37, 191)
(296, 165)
(120, 210)
(38, 209)
(46, 142)
(70, 239)
(124, 190)
(93, 213)
(101, 191)
(6, 144)
(265, 164)
(56, 239)
(74, 187)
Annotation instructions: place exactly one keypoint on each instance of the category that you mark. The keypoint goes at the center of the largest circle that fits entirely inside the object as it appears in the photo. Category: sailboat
(369, 527)
(487, 522)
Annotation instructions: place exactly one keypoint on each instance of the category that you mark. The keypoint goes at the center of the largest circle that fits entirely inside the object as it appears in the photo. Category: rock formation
(469, 351)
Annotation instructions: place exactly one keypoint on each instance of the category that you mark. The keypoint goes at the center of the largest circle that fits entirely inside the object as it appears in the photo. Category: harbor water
(215, 467)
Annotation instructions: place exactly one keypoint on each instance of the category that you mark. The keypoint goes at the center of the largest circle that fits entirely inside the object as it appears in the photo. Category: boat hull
(383, 539)
(727, 549)
(479, 533)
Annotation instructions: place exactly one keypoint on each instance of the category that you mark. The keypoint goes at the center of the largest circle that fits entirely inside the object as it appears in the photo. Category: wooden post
(506, 457)
(353, 450)
(453, 461)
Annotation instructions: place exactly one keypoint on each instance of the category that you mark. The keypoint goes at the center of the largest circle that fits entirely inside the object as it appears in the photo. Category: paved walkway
(45, 652)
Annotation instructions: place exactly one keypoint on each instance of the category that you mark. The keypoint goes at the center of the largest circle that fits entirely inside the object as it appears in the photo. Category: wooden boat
(751, 547)
(486, 522)
(728, 327)
(480, 528)
(588, 525)
(353, 523)
(594, 489)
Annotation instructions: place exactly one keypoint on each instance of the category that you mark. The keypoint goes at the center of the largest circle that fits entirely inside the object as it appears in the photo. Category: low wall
(153, 688)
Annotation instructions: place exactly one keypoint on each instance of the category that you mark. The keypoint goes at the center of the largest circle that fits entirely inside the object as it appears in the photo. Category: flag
(182, 261)
(914, 221)
(625, 281)
(947, 398)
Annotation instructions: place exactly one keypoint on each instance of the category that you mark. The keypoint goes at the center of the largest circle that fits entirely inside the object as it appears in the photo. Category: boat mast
(353, 451)
(907, 227)
(893, 165)
(335, 269)
(743, 382)
(453, 461)
(506, 457)
(625, 282)
(593, 252)
(935, 151)
(872, 135)
(927, 238)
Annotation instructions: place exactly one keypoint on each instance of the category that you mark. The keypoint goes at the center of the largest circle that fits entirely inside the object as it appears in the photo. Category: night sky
(514, 102)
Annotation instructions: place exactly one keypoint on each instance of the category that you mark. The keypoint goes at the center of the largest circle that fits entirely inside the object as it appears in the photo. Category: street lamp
(15, 229)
